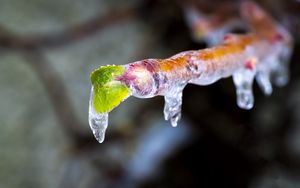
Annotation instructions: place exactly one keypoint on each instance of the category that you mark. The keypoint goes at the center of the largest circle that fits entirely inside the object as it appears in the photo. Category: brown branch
(67, 36)
(56, 92)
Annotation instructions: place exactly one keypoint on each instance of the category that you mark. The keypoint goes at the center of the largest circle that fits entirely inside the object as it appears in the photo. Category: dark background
(49, 48)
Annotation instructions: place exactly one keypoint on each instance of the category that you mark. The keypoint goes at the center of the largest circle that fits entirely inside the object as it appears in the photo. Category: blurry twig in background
(69, 35)
(56, 91)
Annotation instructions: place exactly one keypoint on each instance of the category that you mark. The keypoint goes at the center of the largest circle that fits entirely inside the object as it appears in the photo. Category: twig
(67, 36)
(56, 91)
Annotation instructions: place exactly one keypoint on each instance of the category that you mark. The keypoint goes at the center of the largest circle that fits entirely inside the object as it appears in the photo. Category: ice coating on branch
(256, 59)
(244, 57)
(262, 55)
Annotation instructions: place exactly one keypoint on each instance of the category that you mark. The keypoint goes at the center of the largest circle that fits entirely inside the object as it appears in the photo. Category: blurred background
(47, 51)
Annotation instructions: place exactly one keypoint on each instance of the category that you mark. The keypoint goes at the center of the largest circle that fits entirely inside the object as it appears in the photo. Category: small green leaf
(108, 92)
(105, 74)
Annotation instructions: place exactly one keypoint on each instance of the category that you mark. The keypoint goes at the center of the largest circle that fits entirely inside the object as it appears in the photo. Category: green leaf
(108, 92)
(105, 74)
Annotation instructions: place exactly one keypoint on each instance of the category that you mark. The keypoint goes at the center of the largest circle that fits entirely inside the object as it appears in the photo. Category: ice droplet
(172, 109)
(245, 98)
(263, 80)
(281, 75)
(97, 121)
(243, 82)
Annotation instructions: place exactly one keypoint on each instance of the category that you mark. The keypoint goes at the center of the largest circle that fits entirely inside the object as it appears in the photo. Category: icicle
(243, 80)
(263, 76)
(284, 51)
(263, 80)
(172, 108)
(97, 121)
(281, 75)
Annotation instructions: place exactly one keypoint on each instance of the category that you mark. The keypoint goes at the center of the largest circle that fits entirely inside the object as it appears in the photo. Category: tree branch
(69, 35)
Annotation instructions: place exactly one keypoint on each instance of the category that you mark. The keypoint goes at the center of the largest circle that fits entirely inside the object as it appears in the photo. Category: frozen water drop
(245, 99)
(263, 80)
(243, 80)
(281, 72)
(97, 121)
(174, 120)
(281, 76)
(172, 109)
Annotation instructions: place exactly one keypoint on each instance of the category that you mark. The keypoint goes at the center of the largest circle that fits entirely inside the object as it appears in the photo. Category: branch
(56, 92)
(69, 35)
